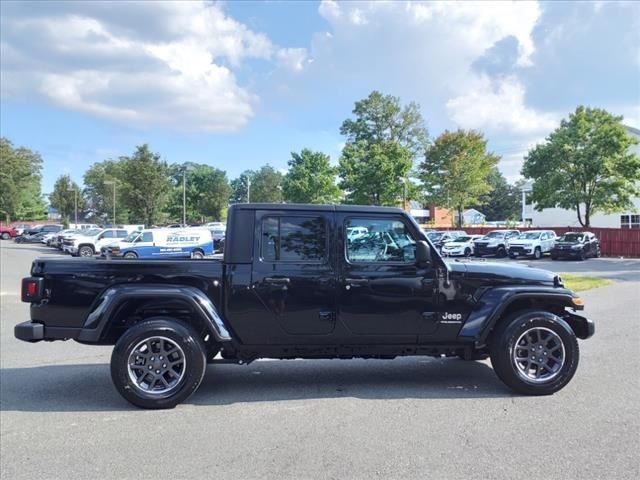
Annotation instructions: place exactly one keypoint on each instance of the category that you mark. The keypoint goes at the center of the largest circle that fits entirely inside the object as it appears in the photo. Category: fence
(614, 242)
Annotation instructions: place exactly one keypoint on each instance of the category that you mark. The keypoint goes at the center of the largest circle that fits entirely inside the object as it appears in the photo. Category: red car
(8, 232)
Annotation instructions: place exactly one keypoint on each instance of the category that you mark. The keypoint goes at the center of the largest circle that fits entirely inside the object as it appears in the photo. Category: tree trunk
(460, 219)
(587, 216)
(579, 214)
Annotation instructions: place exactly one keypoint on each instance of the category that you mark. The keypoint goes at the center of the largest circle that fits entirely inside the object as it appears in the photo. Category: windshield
(495, 235)
(433, 236)
(131, 237)
(571, 237)
(92, 232)
(530, 236)
(462, 239)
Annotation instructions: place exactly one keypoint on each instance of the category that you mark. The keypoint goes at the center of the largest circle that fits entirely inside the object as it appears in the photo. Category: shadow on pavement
(88, 387)
(34, 247)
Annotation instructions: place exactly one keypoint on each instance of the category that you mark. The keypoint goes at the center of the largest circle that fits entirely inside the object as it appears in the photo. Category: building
(559, 217)
(472, 216)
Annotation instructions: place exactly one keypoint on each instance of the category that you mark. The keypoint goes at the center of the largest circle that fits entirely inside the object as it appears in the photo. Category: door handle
(277, 280)
(325, 316)
(356, 282)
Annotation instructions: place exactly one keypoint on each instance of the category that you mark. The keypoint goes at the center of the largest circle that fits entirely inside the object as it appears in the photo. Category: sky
(237, 85)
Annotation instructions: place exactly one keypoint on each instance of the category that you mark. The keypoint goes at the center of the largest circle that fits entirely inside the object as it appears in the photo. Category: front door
(384, 296)
(294, 275)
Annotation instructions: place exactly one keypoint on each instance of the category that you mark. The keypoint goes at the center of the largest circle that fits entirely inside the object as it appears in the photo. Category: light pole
(75, 203)
(184, 171)
(113, 182)
(404, 192)
(248, 190)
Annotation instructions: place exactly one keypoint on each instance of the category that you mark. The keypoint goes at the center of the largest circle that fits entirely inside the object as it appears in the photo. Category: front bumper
(568, 253)
(485, 249)
(581, 326)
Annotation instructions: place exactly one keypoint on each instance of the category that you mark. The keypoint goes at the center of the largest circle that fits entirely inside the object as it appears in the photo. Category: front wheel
(131, 255)
(501, 252)
(467, 252)
(158, 363)
(6, 236)
(85, 251)
(534, 352)
(537, 253)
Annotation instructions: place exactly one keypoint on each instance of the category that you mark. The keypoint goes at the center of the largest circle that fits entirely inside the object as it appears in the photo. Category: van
(168, 242)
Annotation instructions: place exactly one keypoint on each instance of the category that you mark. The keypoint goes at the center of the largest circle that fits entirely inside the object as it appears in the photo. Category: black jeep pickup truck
(306, 281)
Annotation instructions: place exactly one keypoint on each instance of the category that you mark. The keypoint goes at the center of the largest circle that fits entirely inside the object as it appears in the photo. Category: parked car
(87, 243)
(580, 245)
(292, 285)
(159, 243)
(20, 228)
(441, 237)
(55, 240)
(534, 243)
(43, 229)
(461, 246)
(30, 238)
(7, 233)
(496, 242)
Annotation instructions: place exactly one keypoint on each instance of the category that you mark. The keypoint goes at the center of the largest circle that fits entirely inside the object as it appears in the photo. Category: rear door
(294, 275)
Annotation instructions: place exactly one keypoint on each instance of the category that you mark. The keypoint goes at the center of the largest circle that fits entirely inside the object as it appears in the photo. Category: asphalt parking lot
(61, 418)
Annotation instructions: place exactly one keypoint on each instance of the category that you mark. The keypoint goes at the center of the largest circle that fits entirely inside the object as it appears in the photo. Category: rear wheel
(534, 352)
(197, 254)
(158, 363)
(6, 236)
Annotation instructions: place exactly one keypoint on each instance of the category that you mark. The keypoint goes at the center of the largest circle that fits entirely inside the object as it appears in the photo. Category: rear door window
(294, 239)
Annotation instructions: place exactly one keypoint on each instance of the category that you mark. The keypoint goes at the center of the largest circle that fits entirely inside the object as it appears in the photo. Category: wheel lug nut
(164, 365)
(161, 357)
(157, 371)
(152, 358)
(150, 367)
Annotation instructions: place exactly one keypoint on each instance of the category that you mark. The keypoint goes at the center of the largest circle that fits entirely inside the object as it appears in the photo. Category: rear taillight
(32, 289)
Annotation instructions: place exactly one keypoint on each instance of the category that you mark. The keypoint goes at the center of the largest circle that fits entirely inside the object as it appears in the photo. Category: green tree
(585, 165)
(99, 196)
(456, 169)
(20, 183)
(380, 120)
(503, 202)
(207, 192)
(239, 187)
(64, 196)
(266, 185)
(310, 179)
(382, 142)
(373, 175)
(145, 184)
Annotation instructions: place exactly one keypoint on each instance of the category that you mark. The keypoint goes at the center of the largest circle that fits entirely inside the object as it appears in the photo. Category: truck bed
(74, 287)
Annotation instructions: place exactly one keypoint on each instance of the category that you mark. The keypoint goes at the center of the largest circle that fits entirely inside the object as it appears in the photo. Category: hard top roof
(313, 207)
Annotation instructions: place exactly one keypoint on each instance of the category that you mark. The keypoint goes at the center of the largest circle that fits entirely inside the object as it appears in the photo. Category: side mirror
(423, 253)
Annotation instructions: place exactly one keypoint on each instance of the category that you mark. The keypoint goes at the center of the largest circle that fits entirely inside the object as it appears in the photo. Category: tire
(598, 253)
(130, 255)
(6, 236)
(197, 254)
(174, 384)
(537, 253)
(86, 251)
(467, 252)
(501, 252)
(553, 257)
(534, 329)
(582, 256)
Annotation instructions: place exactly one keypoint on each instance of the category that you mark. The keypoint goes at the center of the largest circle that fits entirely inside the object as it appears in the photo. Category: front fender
(113, 298)
(495, 301)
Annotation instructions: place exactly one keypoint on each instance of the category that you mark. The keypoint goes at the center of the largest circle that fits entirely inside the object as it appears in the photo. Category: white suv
(87, 244)
(533, 243)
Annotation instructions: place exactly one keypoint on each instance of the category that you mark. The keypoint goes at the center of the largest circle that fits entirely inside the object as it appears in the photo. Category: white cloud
(292, 59)
(168, 64)
(499, 106)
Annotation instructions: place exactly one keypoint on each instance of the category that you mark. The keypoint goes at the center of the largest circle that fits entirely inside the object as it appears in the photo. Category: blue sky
(240, 84)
